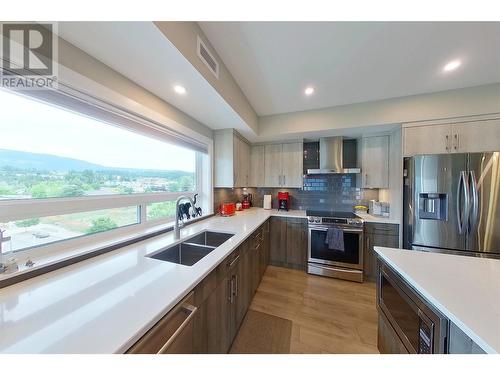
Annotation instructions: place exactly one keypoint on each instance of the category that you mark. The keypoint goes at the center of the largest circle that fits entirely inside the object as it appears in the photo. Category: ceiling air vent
(207, 58)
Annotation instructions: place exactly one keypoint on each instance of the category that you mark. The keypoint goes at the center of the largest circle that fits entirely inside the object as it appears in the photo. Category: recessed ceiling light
(309, 91)
(452, 65)
(179, 89)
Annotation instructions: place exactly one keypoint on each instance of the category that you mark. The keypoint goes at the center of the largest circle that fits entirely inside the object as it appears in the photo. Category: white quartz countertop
(289, 213)
(367, 218)
(465, 289)
(106, 303)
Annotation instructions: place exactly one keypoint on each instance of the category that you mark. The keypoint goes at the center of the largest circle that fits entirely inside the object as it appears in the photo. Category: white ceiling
(352, 62)
(139, 51)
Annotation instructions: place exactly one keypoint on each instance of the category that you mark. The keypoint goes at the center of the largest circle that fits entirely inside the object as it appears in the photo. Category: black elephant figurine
(185, 207)
(197, 210)
(184, 211)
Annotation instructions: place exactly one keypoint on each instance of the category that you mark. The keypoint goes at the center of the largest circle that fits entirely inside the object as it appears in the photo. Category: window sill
(52, 261)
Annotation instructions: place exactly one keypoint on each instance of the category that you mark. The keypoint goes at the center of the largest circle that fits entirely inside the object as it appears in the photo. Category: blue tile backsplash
(329, 183)
(333, 191)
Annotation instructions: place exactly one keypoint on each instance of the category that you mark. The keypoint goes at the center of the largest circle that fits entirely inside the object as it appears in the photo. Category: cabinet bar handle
(233, 261)
(231, 290)
(447, 143)
(236, 286)
(456, 145)
(192, 311)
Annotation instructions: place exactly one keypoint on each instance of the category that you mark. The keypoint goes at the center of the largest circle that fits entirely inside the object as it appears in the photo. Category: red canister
(227, 209)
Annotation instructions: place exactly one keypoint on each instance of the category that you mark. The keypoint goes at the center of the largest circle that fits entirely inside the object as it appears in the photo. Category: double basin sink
(193, 249)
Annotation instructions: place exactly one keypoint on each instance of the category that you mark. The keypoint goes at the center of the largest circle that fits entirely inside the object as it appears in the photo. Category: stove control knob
(317, 220)
(311, 220)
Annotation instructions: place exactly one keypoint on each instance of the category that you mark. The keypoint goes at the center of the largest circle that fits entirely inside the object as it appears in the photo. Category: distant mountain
(45, 162)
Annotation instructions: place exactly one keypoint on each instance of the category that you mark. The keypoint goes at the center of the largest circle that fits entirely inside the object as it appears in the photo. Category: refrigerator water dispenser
(433, 206)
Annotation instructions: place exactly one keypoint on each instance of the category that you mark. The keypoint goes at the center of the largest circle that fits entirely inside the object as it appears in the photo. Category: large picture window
(81, 175)
(47, 152)
(37, 231)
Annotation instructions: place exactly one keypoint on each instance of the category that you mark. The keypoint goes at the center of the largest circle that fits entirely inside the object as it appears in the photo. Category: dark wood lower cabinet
(257, 248)
(264, 254)
(377, 234)
(219, 303)
(244, 287)
(235, 301)
(218, 311)
(173, 334)
(288, 242)
(296, 243)
(278, 240)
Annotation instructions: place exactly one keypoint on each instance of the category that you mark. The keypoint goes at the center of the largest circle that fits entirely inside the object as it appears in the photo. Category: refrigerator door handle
(474, 216)
(462, 212)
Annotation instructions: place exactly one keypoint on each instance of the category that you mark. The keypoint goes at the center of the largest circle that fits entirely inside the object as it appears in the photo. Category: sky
(32, 126)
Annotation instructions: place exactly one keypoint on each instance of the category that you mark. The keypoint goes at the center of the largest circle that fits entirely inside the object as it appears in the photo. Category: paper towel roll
(267, 202)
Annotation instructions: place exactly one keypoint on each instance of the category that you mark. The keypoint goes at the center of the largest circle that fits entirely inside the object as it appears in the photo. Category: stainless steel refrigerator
(451, 203)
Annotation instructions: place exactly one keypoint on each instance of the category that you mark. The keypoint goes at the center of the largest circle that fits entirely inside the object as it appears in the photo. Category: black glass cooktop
(334, 214)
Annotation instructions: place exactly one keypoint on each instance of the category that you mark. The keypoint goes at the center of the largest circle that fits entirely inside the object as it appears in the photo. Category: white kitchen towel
(267, 202)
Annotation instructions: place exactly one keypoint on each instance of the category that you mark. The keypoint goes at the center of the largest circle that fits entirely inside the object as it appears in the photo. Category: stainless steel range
(343, 262)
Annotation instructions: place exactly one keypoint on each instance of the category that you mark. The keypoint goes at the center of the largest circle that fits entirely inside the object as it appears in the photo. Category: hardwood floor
(328, 315)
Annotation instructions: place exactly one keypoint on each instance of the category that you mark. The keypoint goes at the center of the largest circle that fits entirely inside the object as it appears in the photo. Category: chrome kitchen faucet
(177, 230)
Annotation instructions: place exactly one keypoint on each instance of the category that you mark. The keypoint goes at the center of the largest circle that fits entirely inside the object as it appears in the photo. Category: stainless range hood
(331, 157)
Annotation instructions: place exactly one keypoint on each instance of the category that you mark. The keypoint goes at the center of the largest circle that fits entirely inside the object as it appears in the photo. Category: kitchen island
(465, 290)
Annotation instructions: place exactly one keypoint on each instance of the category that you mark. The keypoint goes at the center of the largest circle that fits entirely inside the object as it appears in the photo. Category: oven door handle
(324, 229)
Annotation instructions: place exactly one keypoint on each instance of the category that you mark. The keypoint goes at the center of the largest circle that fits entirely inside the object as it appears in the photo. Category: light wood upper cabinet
(434, 139)
(257, 165)
(273, 165)
(242, 165)
(471, 136)
(245, 162)
(231, 159)
(283, 165)
(292, 164)
(237, 164)
(237, 173)
(478, 136)
(223, 159)
(375, 162)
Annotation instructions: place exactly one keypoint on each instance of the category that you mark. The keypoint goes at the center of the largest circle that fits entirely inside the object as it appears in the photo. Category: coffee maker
(247, 200)
(283, 200)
